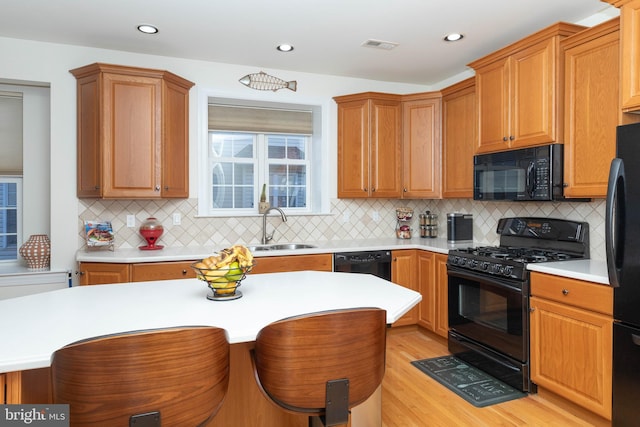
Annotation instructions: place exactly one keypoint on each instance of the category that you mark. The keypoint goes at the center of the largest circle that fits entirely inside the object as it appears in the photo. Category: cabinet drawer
(162, 271)
(586, 295)
(277, 264)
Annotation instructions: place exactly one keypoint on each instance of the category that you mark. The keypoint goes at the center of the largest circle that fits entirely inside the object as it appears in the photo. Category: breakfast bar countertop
(42, 323)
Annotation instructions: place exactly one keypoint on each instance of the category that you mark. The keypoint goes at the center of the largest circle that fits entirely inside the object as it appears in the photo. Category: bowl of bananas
(224, 271)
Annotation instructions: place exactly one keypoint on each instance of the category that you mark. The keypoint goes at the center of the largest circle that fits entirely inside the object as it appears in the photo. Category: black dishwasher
(377, 263)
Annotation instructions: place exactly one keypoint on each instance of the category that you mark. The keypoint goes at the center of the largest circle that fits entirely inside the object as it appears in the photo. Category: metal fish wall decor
(263, 81)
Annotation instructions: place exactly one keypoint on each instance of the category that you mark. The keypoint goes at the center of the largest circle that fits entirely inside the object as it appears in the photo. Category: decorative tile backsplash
(349, 219)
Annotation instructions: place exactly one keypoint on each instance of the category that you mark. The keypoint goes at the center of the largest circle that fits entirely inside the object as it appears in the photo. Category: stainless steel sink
(280, 247)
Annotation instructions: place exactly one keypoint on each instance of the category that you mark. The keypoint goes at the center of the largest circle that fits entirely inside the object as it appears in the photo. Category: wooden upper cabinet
(592, 108)
(421, 145)
(518, 92)
(133, 134)
(459, 136)
(630, 56)
(369, 145)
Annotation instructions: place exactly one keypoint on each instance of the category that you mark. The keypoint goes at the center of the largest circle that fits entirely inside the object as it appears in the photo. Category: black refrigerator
(622, 240)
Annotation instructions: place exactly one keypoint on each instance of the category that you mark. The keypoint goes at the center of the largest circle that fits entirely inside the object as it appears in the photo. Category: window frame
(18, 180)
(318, 153)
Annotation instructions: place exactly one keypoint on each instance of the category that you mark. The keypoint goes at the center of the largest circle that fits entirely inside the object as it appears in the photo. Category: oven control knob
(473, 263)
(484, 265)
(463, 261)
(508, 270)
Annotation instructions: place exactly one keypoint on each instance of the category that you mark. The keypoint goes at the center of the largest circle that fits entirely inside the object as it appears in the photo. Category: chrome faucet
(266, 238)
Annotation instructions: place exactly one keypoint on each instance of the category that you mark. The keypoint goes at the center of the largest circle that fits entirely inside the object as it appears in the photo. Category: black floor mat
(473, 385)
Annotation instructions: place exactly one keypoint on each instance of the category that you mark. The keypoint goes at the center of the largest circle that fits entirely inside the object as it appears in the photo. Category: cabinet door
(492, 89)
(101, 273)
(353, 149)
(277, 264)
(89, 173)
(385, 148)
(403, 272)
(427, 287)
(442, 296)
(591, 110)
(132, 136)
(571, 354)
(459, 136)
(534, 83)
(421, 146)
(630, 52)
(175, 141)
(143, 272)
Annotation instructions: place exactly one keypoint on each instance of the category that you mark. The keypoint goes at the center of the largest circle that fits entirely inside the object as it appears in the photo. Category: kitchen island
(42, 323)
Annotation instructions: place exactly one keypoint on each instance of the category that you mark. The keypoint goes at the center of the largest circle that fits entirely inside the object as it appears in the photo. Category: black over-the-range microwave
(534, 173)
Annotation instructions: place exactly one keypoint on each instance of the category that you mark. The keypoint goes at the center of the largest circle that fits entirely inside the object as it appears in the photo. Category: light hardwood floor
(412, 399)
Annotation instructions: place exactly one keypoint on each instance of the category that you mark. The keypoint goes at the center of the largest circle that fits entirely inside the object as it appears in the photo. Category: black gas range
(523, 241)
(488, 290)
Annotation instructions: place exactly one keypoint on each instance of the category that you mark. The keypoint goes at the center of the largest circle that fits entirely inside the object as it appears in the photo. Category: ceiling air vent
(379, 44)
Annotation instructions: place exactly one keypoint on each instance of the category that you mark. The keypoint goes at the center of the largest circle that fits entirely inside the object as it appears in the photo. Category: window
(252, 144)
(10, 214)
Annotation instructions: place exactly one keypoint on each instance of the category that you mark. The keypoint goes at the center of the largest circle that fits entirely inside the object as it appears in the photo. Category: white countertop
(36, 326)
(584, 269)
(134, 255)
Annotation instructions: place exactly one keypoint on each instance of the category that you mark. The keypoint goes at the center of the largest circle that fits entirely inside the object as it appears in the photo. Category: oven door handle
(485, 280)
(486, 354)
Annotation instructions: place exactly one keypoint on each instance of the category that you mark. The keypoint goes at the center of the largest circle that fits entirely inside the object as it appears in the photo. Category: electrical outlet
(131, 221)
(376, 216)
(177, 219)
(345, 217)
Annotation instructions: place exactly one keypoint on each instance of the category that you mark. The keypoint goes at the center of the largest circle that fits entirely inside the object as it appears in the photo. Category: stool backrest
(182, 373)
(296, 357)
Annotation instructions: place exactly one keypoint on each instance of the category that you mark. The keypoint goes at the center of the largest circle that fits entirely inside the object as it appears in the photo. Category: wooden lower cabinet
(572, 340)
(432, 279)
(32, 386)
(403, 272)
(277, 264)
(103, 273)
(162, 271)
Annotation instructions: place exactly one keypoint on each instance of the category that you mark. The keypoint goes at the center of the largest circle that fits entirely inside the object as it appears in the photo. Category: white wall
(30, 61)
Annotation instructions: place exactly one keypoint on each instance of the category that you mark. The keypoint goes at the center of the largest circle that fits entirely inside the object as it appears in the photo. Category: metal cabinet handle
(565, 292)
(157, 188)
(373, 190)
(365, 188)
(511, 137)
(504, 138)
(166, 188)
(184, 272)
(405, 190)
(532, 309)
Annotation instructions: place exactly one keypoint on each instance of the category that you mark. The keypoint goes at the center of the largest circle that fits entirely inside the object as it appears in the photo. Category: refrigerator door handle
(635, 339)
(614, 221)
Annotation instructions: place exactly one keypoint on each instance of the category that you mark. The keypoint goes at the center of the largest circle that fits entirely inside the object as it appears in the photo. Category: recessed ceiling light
(147, 29)
(285, 48)
(453, 37)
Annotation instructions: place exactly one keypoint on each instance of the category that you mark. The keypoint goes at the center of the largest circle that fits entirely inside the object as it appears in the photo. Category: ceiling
(327, 34)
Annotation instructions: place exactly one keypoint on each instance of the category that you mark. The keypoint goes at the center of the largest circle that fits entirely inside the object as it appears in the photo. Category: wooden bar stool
(169, 377)
(322, 364)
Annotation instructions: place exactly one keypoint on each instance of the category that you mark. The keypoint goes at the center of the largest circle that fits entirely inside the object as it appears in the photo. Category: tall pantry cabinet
(133, 133)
